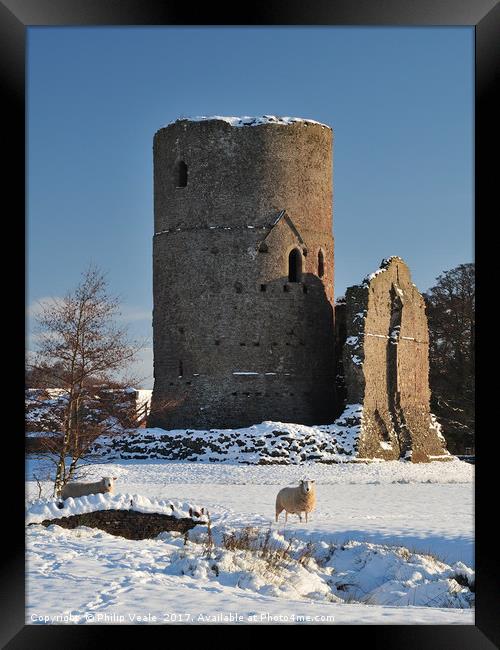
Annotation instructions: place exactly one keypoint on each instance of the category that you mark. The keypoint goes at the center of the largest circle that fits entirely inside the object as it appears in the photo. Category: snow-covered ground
(357, 571)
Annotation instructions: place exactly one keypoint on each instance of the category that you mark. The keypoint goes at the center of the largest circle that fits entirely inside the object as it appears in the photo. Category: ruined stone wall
(386, 365)
(235, 342)
(130, 524)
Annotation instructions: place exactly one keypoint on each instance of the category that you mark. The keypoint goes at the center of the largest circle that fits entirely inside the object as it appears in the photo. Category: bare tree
(81, 351)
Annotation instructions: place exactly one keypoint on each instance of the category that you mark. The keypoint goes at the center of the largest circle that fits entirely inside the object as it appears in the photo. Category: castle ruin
(243, 285)
(242, 273)
(383, 337)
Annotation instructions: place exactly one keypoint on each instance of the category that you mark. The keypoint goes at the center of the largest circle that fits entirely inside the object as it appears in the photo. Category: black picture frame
(15, 17)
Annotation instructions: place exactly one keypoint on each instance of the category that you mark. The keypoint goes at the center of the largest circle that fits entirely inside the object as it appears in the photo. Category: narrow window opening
(286, 288)
(321, 264)
(295, 266)
(238, 286)
(304, 288)
(217, 342)
(181, 369)
(263, 287)
(181, 174)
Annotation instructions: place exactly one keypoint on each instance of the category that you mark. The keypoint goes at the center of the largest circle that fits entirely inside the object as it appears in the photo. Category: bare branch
(80, 350)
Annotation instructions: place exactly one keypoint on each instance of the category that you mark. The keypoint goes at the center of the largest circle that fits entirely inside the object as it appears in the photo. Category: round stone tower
(242, 273)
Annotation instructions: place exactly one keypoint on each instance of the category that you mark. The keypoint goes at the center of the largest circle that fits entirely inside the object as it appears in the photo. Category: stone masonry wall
(130, 524)
(235, 342)
(386, 365)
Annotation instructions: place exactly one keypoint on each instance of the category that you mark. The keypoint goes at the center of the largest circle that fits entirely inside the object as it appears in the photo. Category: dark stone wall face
(235, 342)
(130, 524)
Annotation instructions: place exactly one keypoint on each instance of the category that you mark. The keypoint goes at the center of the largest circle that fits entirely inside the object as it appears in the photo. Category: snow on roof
(246, 120)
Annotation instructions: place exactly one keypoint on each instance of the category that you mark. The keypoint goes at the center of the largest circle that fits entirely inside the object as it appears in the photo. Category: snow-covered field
(349, 562)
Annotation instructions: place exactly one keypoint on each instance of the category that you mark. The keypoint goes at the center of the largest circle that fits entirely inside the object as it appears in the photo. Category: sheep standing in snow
(296, 500)
(106, 484)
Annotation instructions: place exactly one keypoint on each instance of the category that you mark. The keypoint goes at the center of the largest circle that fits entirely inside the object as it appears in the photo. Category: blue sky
(400, 101)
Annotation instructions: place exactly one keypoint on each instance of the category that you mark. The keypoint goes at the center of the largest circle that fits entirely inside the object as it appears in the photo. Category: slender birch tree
(78, 338)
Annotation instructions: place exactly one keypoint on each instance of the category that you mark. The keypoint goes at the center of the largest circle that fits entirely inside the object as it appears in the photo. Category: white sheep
(106, 484)
(296, 500)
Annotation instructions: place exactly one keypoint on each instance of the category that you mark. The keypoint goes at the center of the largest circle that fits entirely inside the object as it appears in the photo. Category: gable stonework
(386, 365)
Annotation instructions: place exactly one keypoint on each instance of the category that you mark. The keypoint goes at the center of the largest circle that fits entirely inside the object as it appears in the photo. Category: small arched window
(181, 174)
(295, 266)
(321, 264)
